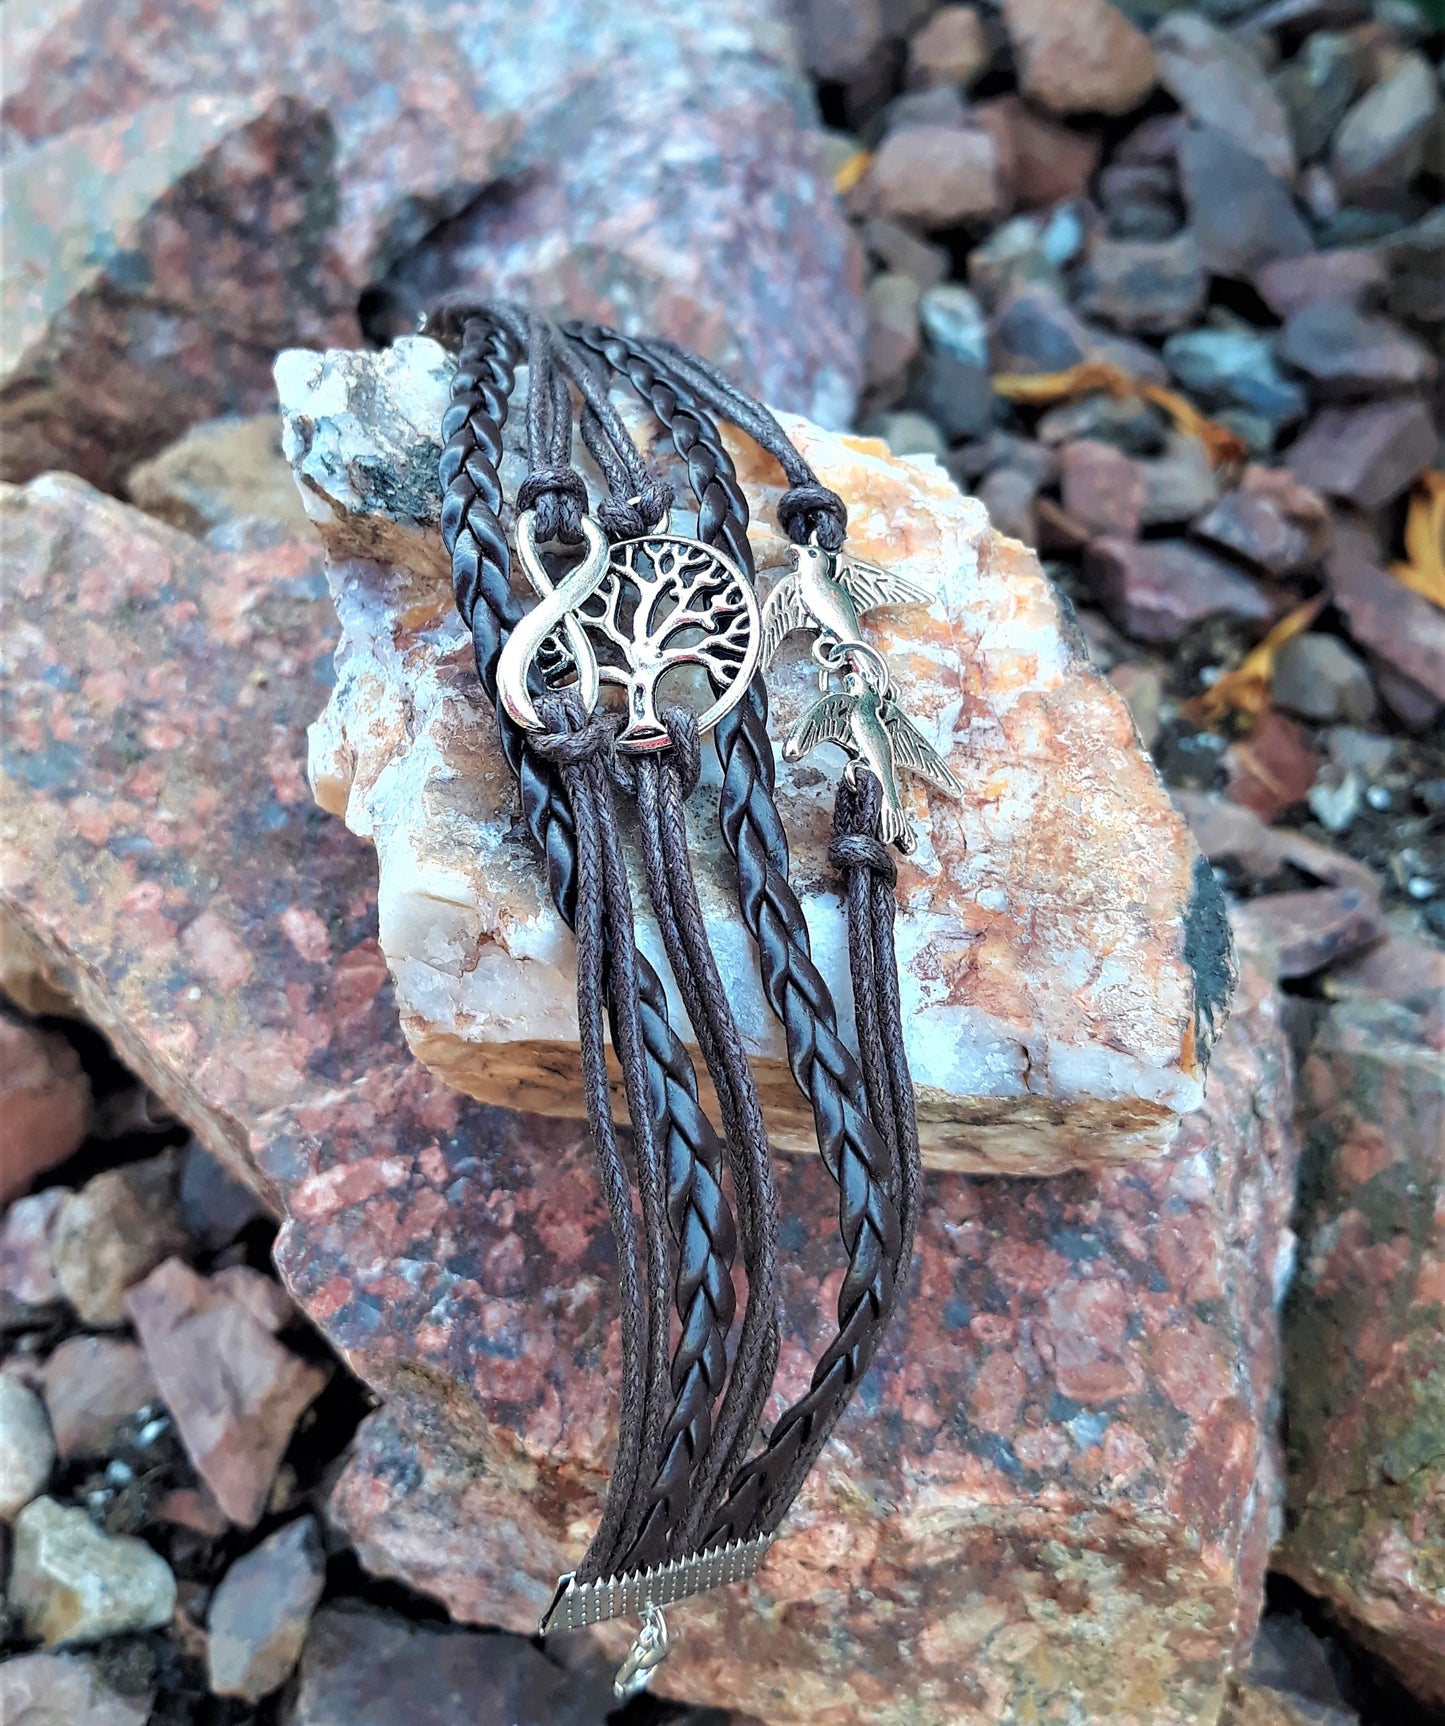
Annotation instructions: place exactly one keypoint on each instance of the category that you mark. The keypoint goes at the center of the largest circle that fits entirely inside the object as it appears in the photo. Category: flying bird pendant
(828, 592)
(876, 734)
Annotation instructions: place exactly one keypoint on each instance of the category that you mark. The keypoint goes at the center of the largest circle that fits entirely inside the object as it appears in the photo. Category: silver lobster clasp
(648, 1651)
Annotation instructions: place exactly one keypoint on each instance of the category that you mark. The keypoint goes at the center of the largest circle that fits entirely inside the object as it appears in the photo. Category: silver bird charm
(828, 592)
(877, 735)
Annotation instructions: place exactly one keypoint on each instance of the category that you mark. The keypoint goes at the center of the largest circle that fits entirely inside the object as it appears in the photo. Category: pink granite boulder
(1061, 1473)
(184, 199)
(1365, 1382)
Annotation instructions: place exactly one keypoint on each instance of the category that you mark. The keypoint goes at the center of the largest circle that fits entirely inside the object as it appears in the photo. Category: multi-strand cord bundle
(619, 600)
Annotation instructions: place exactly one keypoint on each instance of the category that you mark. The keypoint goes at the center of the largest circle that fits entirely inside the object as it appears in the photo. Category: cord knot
(572, 737)
(559, 496)
(861, 851)
(856, 844)
(640, 515)
(813, 512)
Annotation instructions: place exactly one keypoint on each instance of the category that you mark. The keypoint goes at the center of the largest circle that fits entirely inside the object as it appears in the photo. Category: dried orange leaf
(1222, 445)
(1226, 448)
(1245, 690)
(1039, 389)
(851, 172)
(1423, 571)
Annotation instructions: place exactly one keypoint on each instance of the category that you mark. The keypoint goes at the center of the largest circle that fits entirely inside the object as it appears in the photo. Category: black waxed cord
(576, 745)
(638, 499)
(553, 488)
(869, 867)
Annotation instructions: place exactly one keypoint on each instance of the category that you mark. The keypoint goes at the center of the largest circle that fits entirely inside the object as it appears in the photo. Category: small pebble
(27, 1450)
(260, 1613)
(1379, 797)
(1335, 806)
(906, 433)
(120, 1225)
(1367, 753)
(71, 1584)
(66, 1690)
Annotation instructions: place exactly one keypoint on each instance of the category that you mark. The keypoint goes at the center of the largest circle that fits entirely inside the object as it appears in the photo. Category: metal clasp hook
(555, 607)
(648, 1651)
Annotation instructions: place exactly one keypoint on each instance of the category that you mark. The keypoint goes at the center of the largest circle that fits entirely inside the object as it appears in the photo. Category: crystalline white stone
(1063, 969)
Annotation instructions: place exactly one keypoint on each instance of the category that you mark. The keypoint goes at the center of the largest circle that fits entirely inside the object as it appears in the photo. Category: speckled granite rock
(1366, 1370)
(469, 142)
(1067, 1439)
(1060, 1481)
(1063, 952)
(153, 262)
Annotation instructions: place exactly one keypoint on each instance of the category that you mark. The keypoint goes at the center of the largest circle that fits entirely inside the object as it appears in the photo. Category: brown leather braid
(700, 1217)
(856, 1155)
(663, 783)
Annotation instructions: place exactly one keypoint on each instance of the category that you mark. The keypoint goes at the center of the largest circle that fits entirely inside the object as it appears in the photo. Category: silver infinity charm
(555, 608)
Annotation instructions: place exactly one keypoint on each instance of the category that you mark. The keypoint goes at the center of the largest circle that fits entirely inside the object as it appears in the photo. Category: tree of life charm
(666, 604)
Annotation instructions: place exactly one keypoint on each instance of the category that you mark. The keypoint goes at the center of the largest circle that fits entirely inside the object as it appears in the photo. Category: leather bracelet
(687, 1509)
(481, 568)
(856, 1154)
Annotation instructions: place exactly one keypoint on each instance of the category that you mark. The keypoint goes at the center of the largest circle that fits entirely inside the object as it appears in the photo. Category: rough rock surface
(1367, 455)
(234, 1390)
(1243, 216)
(27, 1265)
(220, 470)
(418, 148)
(368, 1668)
(1220, 82)
(1081, 58)
(44, 1104)
(1098, 1516)
(260, 1612)
(936, 176)
(120, 1225)
(1061, 1473)
(63, 1690)
(1366, 1377)
(27, 1450)
(1403, 627)
(71, 1584)
(93, 1385)
(1030, 909)
(156, 296)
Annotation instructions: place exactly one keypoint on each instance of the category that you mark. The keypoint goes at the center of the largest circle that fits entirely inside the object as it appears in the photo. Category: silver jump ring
(859, 656)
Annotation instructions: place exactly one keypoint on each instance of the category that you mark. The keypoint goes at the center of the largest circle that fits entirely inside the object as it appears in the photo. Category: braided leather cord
(663, 783)
(856, 1155)
(698, 1212)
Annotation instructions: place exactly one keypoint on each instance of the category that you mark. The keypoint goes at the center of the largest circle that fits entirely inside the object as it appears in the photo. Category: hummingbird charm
(828, 592)
(873, 729)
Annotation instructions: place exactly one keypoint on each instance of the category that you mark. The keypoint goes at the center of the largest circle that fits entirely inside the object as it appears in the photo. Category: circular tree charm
(667, 604)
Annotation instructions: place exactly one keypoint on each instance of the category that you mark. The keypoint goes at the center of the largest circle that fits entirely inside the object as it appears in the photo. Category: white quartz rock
(1064, 952)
